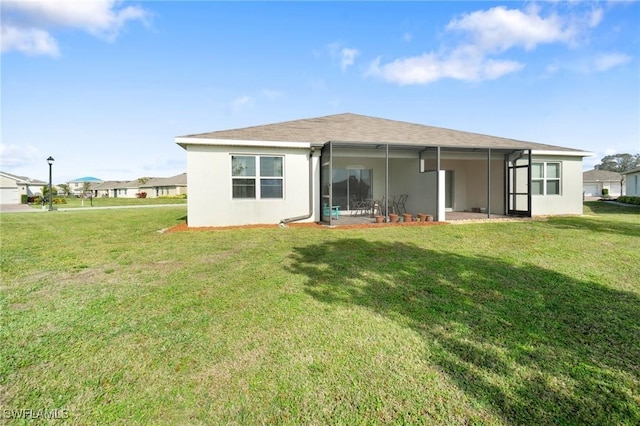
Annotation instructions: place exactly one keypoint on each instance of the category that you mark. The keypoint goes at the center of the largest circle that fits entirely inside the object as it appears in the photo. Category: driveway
(17, 208)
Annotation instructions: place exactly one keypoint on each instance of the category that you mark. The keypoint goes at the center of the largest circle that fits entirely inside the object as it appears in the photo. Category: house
(312, 169)
(117, 189)
(165, 187)
(594, 181)
(153, 187)
(77, 186)
(632, 182)
(12, 187)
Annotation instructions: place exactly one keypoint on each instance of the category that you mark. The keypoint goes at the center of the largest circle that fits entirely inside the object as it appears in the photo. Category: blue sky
(104, 86)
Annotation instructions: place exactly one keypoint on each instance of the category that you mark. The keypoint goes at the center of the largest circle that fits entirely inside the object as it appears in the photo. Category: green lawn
(534, 322)
(74, 202)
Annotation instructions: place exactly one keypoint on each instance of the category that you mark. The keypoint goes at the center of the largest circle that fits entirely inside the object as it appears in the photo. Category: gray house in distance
(318, 169)
(594, 181)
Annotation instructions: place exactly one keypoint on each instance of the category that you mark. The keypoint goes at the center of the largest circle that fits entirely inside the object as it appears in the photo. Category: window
(545, 179)
(257, 177)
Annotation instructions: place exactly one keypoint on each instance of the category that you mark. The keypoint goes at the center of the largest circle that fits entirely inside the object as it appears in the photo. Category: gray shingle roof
(636, 170)
(23, 179)
(354, 128)
(178, 180)
(600, 175)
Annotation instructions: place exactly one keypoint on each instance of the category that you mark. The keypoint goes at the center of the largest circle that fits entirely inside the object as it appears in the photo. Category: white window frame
(545, 177)
(257, 178)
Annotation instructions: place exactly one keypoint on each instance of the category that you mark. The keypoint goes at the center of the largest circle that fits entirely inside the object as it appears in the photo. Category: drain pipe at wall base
(283, 223)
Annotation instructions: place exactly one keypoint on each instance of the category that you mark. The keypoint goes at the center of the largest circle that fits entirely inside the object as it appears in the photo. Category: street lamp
(50, 161)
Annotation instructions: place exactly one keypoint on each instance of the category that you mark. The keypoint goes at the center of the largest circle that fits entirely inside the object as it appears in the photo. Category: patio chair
(358, 207)
(400, 207)
(334, 210)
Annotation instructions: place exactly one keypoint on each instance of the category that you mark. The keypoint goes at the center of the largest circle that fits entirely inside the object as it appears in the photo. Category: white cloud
(27, 26)
(485, 35)
(345, 55)
(13, 156)
(272, 94)
(499, 28)
(429, 68)
(31, 41)
(241, 103)
(610, 60)
(595, 17)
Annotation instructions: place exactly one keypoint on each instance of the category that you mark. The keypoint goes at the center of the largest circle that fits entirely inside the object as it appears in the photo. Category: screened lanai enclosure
(365, 180)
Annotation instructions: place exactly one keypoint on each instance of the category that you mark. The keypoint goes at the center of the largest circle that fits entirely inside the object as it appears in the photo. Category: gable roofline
(597, 175)
(354, 129)
(22, 179)
(636, 170)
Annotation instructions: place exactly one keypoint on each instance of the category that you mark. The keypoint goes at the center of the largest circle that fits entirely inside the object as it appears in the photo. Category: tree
(619, 162)
(45, 191)
(65, 189)
(86, 189)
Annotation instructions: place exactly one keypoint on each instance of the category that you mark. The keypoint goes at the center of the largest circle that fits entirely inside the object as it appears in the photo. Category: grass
(493, 323)
(75, 202)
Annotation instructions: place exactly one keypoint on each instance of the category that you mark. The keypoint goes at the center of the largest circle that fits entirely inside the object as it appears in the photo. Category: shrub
(24, 198)
(605, 192)
(141, 195)
(629, 200)
(59, 200)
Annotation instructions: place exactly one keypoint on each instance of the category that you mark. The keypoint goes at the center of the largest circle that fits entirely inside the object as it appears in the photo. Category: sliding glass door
(351, 185)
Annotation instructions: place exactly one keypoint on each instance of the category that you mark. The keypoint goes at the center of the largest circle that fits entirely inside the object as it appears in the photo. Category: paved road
(22, 208)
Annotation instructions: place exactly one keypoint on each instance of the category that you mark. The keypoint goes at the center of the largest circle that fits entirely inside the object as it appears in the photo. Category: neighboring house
(164, 187)
(594, 181)
(306, 169)
(106, 188)
(632, 181)
(12, 187)
(153, 186)
(76, 186)
(118, 189)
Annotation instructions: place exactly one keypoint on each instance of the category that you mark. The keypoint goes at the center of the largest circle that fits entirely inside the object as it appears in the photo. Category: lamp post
(50, 161)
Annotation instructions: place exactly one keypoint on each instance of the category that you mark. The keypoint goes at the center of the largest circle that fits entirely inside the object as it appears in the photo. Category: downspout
(489, 184)
(283, 222)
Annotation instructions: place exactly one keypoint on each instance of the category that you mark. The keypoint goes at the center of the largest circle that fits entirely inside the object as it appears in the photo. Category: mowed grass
(76, 202)
(534, 322)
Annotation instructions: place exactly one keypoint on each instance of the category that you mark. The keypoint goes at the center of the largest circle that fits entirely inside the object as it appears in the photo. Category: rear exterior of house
(319, 169)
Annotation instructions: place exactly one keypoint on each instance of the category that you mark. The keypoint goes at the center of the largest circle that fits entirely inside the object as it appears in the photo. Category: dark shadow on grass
(602, 207)
(535, 346)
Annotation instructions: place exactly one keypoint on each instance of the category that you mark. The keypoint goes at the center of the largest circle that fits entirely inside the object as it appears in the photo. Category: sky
(105, 86)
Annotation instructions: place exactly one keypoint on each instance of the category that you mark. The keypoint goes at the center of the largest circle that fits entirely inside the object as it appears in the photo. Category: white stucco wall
(570, 199)
(470, 183)
(210, 187)
(632, 184)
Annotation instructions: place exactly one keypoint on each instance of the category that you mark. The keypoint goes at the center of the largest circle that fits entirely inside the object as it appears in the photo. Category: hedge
(629, 200)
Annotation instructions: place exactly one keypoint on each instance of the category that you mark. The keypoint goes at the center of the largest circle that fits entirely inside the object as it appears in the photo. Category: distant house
(164, 187)
(594, 181)
(632, 180)
(76, 186)
(153, 187)
(316, 169)
(12, 187)
(107, 188)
